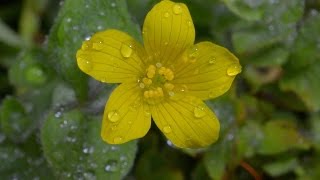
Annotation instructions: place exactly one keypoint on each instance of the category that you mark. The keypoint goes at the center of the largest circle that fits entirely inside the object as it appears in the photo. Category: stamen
(169, 86)
(147, 81)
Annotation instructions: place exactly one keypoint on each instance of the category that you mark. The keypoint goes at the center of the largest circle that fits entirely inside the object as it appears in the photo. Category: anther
(147, 81)
(169, 86)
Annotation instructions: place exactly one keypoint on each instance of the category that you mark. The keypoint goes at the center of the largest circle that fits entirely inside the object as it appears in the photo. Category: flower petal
(208, 71)
(167, 31)
(187, 123)
(111, 56)
(125, 117)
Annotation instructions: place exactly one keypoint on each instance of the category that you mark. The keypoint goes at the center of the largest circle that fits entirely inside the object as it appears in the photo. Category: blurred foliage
(50, 112)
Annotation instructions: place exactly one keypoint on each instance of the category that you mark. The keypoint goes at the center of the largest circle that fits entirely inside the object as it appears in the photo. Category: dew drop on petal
(84, 64)
(189, 23)
(234, 69)
(167, 129)
(126, 50)
(141, 85)
(177, 9)
(113, 116)
(212, 60)
(166, 14)
(147, 113)
(117, 140)
(193, 53)
(199, 112)
(86, 45)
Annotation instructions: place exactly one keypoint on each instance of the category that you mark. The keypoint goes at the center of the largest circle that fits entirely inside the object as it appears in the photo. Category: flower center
(156, 83)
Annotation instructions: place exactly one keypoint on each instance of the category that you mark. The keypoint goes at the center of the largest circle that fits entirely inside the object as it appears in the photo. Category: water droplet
(88, 150)
(103, 79)
(193, 53)
(177, 9)
(199, 112)
(184, 88)
(99, 27)
(166, 14)
(167, 129)
(171, 93)
(97, 46)
(158, 64)
(189, 23)
(212, 60)
(111, 166)
(141, 85)
(84, 64)
(234, 69)
(117, 140)
(68, 20)
(113, 128)
(58, 114)
(126, 50)
(147, 113)
(113, 116)
(113, 4)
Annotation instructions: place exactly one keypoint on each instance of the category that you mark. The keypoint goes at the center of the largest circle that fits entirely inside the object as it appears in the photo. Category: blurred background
(50, 112)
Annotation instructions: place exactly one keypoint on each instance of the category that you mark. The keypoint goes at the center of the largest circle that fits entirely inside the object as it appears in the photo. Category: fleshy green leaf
(302, 71)
(280, 136)
(15, 123)
(76, 22)
(74, 148)
(281, 167)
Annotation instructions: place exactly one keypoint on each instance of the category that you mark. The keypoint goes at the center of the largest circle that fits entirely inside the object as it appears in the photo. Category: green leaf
(218, 158)
(8, 36)
(248, 10)
(280, 136)
(315, 129)
(74, 148)
(76, 22)
(250, 136)
(29, 70)
(281, 167)
(17, 162)
(302, 71)
(15, 123)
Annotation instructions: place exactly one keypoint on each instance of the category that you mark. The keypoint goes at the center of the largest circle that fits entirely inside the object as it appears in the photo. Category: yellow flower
(166, 79)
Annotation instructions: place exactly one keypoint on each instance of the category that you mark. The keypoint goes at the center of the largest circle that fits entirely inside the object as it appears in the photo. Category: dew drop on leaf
(111, 166)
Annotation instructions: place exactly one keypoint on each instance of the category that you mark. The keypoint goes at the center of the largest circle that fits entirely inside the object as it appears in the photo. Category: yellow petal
(187, 123)
(125, 117)
(167, 31)
(111, 56)
(208, 71)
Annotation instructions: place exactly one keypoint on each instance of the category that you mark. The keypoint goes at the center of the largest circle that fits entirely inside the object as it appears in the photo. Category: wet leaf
(301, 72)
(280, 136)
(74, 148)
(281, 167)
(15, 123)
